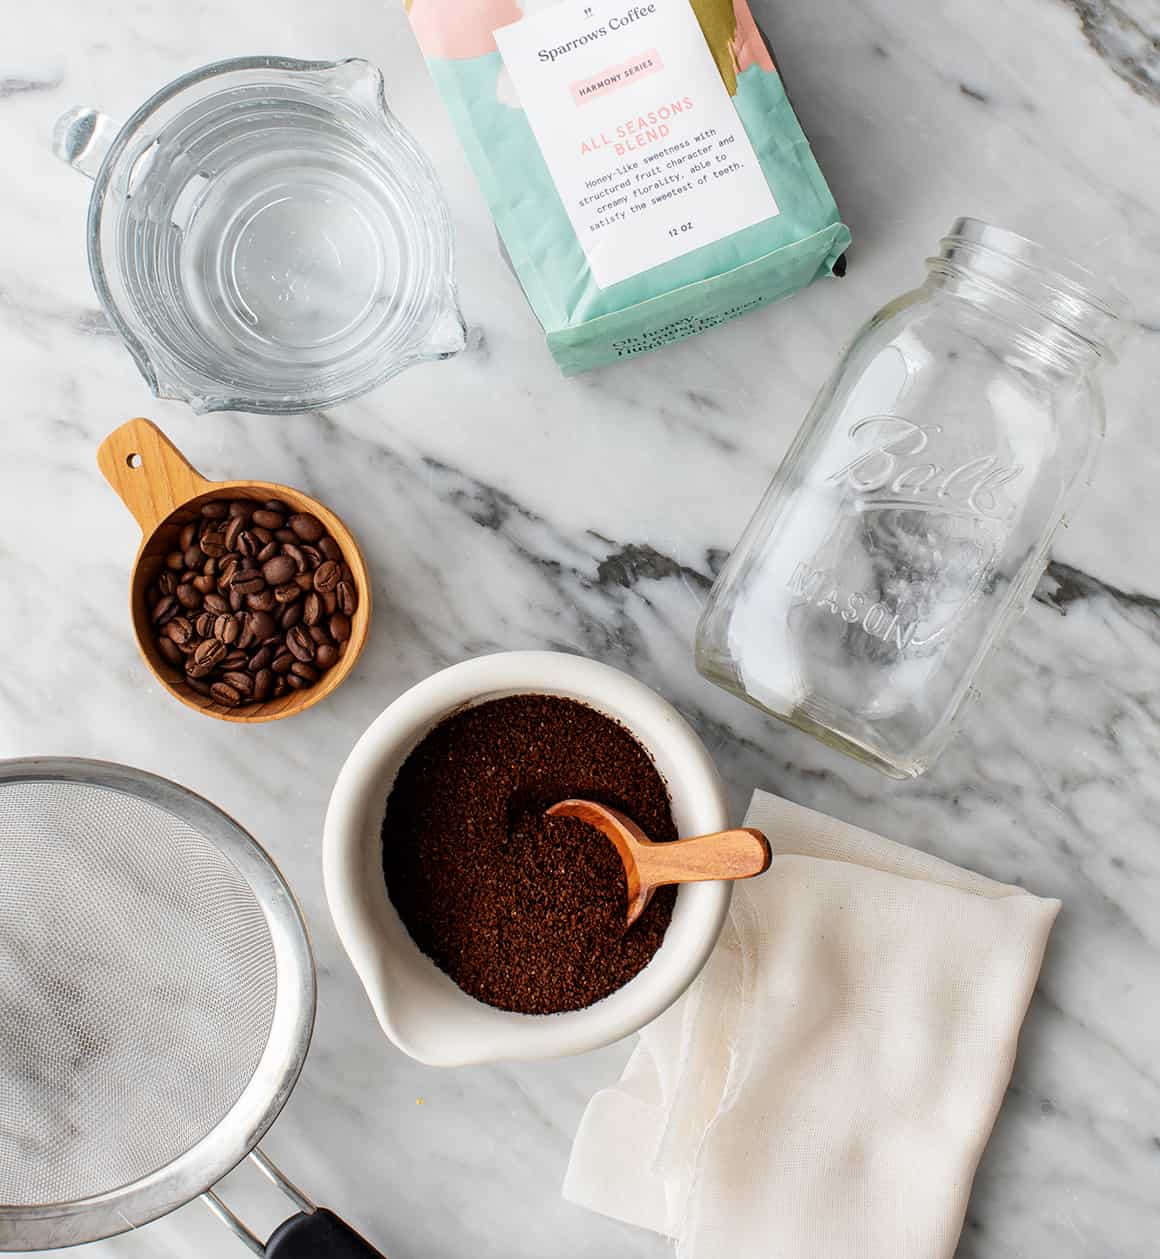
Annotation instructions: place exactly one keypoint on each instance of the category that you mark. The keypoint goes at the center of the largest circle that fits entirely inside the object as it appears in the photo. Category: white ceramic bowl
(420, 1008)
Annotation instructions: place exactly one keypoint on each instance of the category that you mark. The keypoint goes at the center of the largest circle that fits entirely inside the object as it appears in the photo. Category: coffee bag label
(642, 140)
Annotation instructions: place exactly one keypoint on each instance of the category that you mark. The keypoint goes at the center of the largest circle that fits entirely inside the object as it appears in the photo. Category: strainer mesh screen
(137, 988)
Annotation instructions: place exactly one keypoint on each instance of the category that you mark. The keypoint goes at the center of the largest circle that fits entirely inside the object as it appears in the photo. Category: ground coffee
(523, 911)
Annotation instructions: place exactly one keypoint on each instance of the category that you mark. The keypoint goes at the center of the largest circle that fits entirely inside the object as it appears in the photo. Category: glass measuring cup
(265, 236)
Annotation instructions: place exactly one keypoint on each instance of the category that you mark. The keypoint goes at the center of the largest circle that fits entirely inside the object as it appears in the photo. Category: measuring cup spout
(81, 137)
(447, 335)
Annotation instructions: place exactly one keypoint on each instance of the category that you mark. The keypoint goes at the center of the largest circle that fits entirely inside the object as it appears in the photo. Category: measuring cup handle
(82, 137)
(147, 470)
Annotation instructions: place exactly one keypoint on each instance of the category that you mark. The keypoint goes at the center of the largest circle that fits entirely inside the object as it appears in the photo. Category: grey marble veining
(501, 506)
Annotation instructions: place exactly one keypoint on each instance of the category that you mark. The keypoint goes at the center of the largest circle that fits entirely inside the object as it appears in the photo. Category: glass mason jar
(911, 519)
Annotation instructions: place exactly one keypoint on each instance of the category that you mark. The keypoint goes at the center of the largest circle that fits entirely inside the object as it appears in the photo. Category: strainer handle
(152, 477)
(319, 1235)
(314, 1233)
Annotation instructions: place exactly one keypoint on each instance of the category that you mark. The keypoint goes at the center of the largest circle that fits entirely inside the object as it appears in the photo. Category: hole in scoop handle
(736, 854)
(150, 474)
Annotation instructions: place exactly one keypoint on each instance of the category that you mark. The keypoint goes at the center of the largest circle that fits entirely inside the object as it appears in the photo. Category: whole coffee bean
(263, 601)
(213, 543)
(247, 582)
(179, 630)
(347, 597)
(327, 576)
(308, 528)
(235, 527)
(166, 608)
(225, 694)
(278, 570)
(263, 625)
(254, 601)
(243, 683)
(210, 653)
(226, 628)
(170, 650)
(299, 642)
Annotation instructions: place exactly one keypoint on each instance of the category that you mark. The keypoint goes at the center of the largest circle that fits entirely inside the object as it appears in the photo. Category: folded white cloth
(825, 1089)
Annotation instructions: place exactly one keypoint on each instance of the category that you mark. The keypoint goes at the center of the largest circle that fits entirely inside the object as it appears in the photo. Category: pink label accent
(616, 77)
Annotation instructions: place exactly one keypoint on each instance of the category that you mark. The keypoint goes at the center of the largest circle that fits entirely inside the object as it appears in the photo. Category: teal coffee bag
(644, 167)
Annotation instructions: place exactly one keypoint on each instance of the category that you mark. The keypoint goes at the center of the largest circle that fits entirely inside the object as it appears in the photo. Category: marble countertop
(502, 507)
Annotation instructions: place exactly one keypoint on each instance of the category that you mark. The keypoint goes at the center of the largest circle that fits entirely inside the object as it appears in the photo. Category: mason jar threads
(911, 518)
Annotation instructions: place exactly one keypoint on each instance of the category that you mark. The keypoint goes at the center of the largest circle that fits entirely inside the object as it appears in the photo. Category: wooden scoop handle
(736, 854)
(147, 470)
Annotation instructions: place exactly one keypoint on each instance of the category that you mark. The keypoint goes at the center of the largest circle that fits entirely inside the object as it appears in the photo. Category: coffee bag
(645, 169)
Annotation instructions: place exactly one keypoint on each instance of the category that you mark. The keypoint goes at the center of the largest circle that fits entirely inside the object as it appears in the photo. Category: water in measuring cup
(288, 253)
(282, 246)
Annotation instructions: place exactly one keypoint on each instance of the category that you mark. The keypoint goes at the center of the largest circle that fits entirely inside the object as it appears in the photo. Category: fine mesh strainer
(156, 1002)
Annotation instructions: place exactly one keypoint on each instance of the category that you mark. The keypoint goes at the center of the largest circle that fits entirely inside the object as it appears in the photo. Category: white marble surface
(503, 507)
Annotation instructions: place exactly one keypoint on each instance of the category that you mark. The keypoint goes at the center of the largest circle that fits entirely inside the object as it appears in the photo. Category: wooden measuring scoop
(736, 854)
(164, 492)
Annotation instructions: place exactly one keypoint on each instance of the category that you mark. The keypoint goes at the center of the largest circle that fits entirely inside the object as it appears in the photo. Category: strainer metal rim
(48, 1225)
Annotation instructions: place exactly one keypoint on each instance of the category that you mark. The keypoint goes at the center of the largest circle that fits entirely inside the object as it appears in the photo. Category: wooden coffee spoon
(736, 854)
